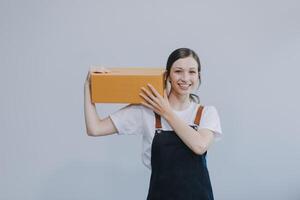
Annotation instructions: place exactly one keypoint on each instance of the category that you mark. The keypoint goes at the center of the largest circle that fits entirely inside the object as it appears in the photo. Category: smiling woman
(177, 130)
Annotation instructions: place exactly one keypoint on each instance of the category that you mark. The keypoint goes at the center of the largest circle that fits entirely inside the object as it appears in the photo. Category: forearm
(187, 134)
(90, 112)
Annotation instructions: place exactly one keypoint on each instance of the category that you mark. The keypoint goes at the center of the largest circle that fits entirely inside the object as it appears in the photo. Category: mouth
(184, 86)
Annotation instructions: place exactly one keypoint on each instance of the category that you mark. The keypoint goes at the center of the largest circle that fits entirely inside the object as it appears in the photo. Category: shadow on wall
(82, 180)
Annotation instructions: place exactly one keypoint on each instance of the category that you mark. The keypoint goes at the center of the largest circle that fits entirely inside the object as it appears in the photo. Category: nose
(185, 76)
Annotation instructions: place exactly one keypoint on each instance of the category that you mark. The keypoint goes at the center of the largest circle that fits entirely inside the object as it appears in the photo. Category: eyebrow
(182, 68)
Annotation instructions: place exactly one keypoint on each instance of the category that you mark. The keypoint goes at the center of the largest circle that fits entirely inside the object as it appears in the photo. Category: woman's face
(184, 76)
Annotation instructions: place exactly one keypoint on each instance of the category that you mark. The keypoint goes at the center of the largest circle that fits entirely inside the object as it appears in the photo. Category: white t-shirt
(136, 119)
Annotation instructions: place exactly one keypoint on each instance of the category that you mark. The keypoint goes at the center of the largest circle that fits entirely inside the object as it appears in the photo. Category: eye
(192, 72)
(177, 71)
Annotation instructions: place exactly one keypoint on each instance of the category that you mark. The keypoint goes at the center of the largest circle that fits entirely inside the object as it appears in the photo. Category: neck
(179, 102)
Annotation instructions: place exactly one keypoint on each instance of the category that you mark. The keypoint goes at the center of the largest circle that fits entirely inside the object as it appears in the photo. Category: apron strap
(196, 121)
(157, 121)
(198, 115)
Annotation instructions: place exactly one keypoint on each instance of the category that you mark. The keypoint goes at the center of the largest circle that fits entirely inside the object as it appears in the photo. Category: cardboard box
(123, 85)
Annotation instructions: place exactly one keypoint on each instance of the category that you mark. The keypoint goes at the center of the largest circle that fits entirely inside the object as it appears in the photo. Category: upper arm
(127, 120)
(104, 127)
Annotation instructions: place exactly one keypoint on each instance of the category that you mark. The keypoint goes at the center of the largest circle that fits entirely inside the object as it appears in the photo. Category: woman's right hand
(95, 69)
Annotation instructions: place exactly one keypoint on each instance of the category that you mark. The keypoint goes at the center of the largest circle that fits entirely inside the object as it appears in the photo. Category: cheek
(174, 77)
(196, 79)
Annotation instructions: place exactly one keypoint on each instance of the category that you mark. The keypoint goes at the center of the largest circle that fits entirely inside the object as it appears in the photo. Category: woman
(177, 131)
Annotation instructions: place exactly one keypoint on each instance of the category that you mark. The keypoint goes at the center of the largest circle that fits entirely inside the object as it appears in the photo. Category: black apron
(177, 172)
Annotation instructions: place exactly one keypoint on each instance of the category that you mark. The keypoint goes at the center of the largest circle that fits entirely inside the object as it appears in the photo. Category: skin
(182, 71)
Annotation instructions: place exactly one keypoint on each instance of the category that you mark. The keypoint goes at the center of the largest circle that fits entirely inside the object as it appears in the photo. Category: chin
(183, 92)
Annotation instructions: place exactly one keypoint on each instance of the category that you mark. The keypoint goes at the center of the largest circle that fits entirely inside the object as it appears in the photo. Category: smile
(184, 86)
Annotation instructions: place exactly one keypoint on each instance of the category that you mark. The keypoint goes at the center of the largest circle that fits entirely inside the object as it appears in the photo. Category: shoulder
(209, 114)
(128, 120)
(134, 111)
(131, 108)
(210, 119)
(127, 111)
(210, 108)
(207, 108)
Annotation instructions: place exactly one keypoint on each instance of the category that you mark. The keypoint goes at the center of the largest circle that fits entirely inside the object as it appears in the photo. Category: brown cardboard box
(123, 85)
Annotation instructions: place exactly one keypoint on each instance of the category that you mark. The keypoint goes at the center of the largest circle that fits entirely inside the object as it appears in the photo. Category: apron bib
(177, 172)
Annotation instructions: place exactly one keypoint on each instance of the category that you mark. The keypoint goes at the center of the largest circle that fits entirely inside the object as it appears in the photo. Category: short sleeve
(210, 119)
(128, 120)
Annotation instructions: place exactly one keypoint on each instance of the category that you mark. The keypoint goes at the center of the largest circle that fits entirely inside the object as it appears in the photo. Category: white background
(250, 70)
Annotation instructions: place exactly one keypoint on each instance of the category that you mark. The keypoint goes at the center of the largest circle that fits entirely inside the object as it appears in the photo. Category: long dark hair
(183, 53)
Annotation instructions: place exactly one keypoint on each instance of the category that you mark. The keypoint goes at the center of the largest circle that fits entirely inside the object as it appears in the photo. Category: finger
(147, 105)
(151, 107)
(148, 100)
(149, 94)
(99, 69)
(153, 90)
(92, 68)
(105, 70)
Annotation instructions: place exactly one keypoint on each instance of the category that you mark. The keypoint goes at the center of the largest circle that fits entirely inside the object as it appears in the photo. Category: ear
(165, 74)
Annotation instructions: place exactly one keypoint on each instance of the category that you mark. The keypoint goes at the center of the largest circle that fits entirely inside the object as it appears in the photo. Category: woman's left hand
(155, 101)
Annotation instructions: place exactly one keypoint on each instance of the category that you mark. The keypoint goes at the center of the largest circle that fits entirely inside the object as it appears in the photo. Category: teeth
(184, 86)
